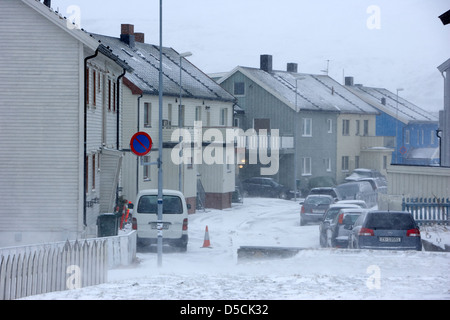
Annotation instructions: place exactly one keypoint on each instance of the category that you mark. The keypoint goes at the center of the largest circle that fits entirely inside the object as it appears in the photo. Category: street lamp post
(295, 136)
(160, 145)
(180, 166)
(396, 129)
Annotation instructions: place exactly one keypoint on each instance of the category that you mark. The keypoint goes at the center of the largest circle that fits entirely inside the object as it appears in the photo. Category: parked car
(362, 173)
(338, 229)
(175, 218)
(314, 207)
(358, 190)
(359, 203)
(329, 216)
(378, 185)
(265, 187)
(394, 230)
(326, 190)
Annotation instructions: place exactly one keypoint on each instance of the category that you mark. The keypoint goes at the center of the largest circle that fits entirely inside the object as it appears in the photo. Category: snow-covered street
(314, 273)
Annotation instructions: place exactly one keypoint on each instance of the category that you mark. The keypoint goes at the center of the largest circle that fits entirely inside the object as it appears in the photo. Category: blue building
(413, 129)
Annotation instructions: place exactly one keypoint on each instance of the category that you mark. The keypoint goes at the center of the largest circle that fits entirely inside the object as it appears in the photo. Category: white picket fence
(31, 270)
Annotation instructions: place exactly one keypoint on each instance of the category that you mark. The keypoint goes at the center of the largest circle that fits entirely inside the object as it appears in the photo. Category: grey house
(304, 108)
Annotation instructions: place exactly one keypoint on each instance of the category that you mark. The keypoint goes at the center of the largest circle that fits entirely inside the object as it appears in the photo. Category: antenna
(327, 69)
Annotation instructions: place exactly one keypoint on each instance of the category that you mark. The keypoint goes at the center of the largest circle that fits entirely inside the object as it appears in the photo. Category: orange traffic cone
(206, 242)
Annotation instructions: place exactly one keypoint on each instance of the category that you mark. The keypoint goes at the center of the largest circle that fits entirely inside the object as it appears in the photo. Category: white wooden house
(59, 104)
(202, 100)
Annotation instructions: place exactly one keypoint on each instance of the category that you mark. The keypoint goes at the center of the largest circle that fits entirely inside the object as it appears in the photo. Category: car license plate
(154, 225)
(390, 239)
(318, 211)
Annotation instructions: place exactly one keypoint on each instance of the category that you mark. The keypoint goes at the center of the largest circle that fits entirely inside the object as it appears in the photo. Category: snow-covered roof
(314, 92)
(144, 59)
(386, 101)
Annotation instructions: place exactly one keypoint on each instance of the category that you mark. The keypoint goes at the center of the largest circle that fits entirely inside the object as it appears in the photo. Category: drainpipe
(85, 135)
(438, 134)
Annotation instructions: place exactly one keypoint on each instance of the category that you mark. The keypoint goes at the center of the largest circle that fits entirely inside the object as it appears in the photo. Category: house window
(147, 114)
(366, 127)
(223, 117)
(94, 167)
(109, 95)
(182, 117)
(345, 127)
(147, 169)
(407, 137)
(345, 163)
(198, 113)
(330, 125)
(356, 162)
(239, 88)
(86, 173)
(236, 122)
(358, 123)
(306, 167)
(432, 137)
(385, 162)
(94, 92)
(261, 124)
(327, 162)
(169, 113)
(307, 127)
(114, 97)
(87, 85)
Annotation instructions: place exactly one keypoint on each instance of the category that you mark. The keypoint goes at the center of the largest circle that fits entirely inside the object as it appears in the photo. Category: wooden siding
(39, 123)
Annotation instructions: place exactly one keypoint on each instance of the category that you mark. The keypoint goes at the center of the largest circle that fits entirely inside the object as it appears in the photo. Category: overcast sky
(381, 43)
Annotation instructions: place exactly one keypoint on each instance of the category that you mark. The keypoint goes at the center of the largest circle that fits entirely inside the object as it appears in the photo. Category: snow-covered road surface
(314, 273)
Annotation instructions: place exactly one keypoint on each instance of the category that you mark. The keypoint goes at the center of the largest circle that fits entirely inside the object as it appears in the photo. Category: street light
(180, 166)
(396, 128)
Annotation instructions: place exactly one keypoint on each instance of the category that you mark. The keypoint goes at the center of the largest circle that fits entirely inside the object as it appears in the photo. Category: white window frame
(307, 127)
(306, 166)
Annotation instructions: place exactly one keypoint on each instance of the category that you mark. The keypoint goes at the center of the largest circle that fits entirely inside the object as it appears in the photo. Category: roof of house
(144, 59)
(386, 101)
(80, 34)
(314, 92)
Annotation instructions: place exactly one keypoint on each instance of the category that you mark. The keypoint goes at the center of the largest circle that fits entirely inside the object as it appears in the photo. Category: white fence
(31, 270)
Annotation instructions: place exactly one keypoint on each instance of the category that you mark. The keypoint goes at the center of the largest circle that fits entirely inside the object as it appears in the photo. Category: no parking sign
(141, 144)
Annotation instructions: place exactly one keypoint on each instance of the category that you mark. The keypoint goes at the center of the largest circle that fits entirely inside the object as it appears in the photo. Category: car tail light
(185, 224)
(303, 210)
(365, 232)
(134, 224)
(413, 233)
(341, 218)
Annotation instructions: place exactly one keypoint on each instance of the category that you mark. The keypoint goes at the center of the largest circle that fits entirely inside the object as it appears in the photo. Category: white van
(175, 218)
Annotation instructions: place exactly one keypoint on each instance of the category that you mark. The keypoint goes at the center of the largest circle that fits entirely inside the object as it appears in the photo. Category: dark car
(358, 190)
(394, 230)
(314, 207)
(265, 187)
(326, 190)
(328, 218)
(338, 230)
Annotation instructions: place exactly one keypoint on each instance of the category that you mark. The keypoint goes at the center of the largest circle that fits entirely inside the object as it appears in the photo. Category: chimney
(139, 37)
(127, 34)
(349, 81)
(292, 67)
(383, 101)
(266, 62)
(48, 3)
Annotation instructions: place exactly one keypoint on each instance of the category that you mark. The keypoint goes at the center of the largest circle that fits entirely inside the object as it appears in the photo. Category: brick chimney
(127, 34)
(266, 62)
(139, 37)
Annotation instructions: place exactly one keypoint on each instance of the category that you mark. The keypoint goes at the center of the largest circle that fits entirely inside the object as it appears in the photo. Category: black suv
(265, 187)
